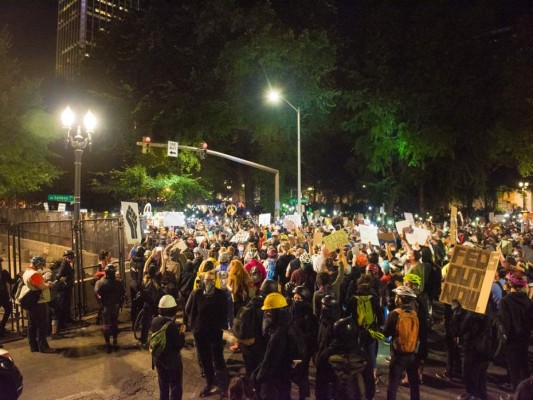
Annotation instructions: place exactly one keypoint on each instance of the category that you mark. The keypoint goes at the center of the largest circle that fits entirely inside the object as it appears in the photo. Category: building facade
(78, 22)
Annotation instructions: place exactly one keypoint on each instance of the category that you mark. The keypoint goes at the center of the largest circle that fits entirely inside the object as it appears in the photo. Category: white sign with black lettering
(172, 149)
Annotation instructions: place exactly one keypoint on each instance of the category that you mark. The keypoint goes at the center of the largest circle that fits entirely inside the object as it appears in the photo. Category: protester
(5, 301)
(208, 313)
(168, 364)
(38, 312)
(112, 294)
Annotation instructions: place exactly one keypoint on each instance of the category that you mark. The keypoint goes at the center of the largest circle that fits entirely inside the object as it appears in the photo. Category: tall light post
(523, 189)
(79, 141)
(274, 96)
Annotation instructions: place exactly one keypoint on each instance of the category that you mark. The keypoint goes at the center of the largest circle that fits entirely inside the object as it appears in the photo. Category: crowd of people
(290, 303)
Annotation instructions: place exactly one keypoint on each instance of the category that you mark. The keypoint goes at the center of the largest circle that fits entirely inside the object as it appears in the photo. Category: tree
(26, 130)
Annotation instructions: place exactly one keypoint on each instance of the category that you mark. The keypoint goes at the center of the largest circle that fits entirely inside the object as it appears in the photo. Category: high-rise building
(78, 21)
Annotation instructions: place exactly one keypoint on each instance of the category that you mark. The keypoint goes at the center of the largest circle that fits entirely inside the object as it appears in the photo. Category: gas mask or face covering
(268, 321)
(209, 286)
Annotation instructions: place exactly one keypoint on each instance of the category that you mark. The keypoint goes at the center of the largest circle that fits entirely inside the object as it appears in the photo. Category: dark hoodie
(516, 315)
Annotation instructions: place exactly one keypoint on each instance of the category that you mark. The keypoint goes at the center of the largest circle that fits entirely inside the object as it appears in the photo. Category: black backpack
(244, 324)
(348, 369)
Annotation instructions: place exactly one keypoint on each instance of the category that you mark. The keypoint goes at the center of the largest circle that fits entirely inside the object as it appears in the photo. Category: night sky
(32, 24)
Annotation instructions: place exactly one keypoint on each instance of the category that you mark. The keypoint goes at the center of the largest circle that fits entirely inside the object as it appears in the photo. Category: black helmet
(110, 271)
(68, 254)
(289, 287)
(38, 261)
(329, 301)
(344, 328)
(268, 286)
(302, 291)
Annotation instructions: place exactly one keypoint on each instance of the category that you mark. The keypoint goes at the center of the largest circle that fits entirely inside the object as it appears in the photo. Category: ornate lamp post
(79, 141)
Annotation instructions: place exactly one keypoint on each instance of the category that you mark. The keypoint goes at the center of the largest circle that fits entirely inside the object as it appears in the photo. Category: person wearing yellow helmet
(272, 376)
(412, 280)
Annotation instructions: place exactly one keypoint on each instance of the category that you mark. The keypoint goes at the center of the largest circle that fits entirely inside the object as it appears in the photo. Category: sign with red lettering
(470, 278)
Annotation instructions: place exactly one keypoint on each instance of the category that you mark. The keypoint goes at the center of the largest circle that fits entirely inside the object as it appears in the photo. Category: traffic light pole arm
(237, 160)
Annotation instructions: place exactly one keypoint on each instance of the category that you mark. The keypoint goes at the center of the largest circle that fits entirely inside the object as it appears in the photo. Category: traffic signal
(146, 144)
(203, 151)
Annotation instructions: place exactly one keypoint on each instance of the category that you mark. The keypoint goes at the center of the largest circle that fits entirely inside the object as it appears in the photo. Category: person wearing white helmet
(169, 365)
(403, 326)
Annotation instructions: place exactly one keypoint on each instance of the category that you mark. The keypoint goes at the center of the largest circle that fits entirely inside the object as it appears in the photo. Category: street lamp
(523, 188)
(79, 142)
(275, 96)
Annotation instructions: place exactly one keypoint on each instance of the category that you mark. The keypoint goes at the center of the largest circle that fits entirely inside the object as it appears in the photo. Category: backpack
(26, 297)
(348, 370)
(150, 293)
(270, 268)
(484, 344)
(365, 312)
(255, 274)
(406, 338)
(158, 341)
(244, 324)
(501, 287)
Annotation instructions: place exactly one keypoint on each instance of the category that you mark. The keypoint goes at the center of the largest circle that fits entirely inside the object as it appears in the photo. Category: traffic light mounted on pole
(203, 151)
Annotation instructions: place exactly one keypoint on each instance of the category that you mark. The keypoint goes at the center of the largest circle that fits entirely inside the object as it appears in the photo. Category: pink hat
(516, 279)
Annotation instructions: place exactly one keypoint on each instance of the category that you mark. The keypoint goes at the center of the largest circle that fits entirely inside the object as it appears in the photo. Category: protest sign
(264, 219)
(290, 222)
(409, 218)
(453, 225)
(317, 238)
(507, 247)
(132, 227)
(400, 225)
(386, 237)
(240, 237)
(369, 234)
(336, 240)
(470, 277)
(172, 218)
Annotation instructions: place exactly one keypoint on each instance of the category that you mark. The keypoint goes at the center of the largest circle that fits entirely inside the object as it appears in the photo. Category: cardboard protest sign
(290, 222)
(409, 217)
(336, 240)
(469, 279)
(387, 237)
(507, 247)
(171, 218)
(317, 238)
(400, 225)
(264, 219)
(181, 245)
(241, 237)
(369, 234)
(453, 225)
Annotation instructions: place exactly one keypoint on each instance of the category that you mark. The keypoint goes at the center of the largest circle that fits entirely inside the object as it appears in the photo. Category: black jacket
(111, 292)
(171, 357)
(207, 313)
(325, 376)
(516, 315)
(276, 364)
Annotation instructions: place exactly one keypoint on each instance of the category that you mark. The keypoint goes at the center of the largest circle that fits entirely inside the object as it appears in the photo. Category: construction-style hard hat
(167, 301)
(273, 301)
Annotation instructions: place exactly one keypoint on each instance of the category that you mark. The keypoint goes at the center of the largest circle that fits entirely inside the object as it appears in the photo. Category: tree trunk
(421, 206)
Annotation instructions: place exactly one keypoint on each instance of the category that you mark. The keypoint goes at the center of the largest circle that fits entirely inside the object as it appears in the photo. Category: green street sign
(64, 198)
(295, 201)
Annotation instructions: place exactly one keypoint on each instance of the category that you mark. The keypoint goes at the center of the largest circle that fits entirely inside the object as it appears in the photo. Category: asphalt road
(82, 370)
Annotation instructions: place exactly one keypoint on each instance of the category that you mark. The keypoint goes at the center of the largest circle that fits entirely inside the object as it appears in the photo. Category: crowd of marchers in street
(289, 303)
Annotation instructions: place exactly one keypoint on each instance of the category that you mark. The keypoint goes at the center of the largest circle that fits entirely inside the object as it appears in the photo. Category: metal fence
(25, 233)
